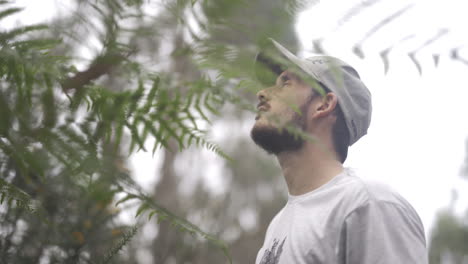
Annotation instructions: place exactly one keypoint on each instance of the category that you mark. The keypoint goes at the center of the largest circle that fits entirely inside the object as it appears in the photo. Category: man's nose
(262, 95)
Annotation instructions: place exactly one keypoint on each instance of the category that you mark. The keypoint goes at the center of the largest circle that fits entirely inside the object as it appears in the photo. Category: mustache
(262, 104)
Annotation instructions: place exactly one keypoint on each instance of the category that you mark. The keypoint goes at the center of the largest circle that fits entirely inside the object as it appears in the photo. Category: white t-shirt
(345, 221)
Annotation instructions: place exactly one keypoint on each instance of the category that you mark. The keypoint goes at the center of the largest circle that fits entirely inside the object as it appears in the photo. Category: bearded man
(311, 112)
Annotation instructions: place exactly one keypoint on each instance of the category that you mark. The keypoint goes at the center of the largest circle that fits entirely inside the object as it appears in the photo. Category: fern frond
(148, 206)
(10, 35)
(127, 237)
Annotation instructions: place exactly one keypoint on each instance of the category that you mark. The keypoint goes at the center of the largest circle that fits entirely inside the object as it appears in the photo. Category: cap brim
(275, 59)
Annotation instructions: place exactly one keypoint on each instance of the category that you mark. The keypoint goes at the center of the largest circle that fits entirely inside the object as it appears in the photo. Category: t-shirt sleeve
(383, 233)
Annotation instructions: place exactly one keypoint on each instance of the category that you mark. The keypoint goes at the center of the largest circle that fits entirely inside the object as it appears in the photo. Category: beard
(275, 141)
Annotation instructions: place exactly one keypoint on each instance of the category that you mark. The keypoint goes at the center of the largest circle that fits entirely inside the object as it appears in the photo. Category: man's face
(285, 104)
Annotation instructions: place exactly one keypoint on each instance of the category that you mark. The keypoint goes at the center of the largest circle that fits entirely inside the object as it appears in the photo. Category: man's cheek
(277, 119)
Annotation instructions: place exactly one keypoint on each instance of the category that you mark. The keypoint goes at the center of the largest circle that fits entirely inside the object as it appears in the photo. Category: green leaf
(161, 217)
(135, 98)
(20, 31)
(200, 111)
(37, 44)
(143, 207)
(209, 107)
(151, 95)
(5, 116)
(151, 215)
(48, 104)
(126, 198)
(9, 11)
(118, 134)
(167, 126)
(136, 139)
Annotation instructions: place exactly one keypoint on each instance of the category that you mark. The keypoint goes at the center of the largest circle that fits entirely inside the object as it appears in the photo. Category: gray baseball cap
(339, 77)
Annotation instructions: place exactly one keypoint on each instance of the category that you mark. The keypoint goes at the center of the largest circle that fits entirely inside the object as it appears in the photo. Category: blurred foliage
(65, 133)
(449, 236)
(449, 239)
(61, 136)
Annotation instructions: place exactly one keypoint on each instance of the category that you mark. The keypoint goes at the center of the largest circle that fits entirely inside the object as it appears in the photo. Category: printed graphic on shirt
(272, 256)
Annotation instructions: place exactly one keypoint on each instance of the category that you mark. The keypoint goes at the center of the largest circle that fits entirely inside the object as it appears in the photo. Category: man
(308, 117)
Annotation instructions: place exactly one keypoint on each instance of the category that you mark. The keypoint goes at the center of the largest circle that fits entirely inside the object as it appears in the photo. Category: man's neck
(308, 168)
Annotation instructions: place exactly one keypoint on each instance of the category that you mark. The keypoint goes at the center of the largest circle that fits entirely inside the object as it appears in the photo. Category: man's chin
(260, 119)
(272, 140)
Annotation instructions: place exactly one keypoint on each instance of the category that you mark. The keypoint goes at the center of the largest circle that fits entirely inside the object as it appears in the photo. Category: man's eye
(285, 80)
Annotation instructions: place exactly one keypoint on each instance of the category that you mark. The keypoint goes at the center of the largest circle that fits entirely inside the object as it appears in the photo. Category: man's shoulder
(362, 192)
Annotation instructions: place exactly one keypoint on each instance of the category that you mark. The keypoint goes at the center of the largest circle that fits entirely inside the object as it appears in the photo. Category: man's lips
(261, 107)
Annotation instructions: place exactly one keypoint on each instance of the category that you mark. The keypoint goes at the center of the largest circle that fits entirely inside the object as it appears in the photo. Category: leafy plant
(60, 127)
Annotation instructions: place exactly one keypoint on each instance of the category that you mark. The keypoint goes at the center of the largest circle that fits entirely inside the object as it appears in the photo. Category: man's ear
(326, 106)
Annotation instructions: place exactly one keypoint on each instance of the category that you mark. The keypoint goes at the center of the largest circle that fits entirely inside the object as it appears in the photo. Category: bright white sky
(416, 141)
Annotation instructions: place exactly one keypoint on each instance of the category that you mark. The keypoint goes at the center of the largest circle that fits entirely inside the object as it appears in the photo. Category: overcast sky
(416, 141)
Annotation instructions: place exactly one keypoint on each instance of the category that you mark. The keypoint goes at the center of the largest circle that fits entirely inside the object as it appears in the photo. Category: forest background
(111, 109)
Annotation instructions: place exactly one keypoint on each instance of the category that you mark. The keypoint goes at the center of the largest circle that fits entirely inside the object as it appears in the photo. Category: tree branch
(101, 66)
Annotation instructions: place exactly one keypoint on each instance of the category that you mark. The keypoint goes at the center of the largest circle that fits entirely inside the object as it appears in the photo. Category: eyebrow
(315, 85)
(291, 75)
